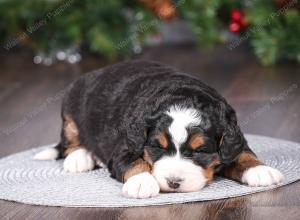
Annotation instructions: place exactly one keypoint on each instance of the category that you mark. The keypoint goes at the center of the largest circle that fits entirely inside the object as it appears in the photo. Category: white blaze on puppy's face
(182, 119)
(175, 173)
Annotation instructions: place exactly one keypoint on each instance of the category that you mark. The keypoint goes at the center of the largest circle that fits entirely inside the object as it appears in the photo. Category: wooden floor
(267, 101)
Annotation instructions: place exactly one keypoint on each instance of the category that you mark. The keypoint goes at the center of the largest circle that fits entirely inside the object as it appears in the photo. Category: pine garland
(110, 28)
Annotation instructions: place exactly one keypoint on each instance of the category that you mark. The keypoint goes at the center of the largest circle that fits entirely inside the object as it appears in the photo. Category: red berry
(236, 14)
(234, 27)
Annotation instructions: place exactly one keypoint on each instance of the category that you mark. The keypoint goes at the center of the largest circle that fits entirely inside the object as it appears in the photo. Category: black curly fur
(112, 108)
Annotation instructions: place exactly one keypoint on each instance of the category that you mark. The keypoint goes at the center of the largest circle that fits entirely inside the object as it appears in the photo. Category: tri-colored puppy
(155, 129)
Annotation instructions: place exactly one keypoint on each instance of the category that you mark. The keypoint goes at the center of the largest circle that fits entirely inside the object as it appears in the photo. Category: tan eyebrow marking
(162, 139)
(196, 141)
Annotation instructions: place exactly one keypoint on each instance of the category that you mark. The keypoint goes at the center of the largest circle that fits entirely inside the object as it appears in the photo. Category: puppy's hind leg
(78, 158)
(51, 153)
(48, 154)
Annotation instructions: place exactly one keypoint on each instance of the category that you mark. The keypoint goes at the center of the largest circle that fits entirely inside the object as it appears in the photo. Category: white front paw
(79, 161)
(262, 176)
(141, 186)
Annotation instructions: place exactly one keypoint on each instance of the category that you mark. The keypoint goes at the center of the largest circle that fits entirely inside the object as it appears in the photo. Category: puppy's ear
(232, 141)
(136, 137)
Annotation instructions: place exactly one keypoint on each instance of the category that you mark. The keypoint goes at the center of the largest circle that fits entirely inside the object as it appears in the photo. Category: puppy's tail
(52, 153)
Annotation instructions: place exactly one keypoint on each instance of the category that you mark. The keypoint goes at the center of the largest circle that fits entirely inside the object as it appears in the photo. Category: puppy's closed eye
(196, 141)
(162, 140)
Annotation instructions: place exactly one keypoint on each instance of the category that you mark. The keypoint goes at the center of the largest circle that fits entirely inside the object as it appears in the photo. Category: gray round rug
(25, 180)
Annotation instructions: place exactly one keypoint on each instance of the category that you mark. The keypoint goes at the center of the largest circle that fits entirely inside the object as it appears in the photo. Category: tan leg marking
(245, 161)
(71, 133)
(139, 166)
(209, 171)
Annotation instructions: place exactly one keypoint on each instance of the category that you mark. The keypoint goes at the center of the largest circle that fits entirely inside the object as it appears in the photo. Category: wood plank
(30, 109)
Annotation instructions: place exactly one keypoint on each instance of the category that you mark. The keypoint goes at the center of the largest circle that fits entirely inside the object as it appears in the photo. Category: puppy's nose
(174, 183)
